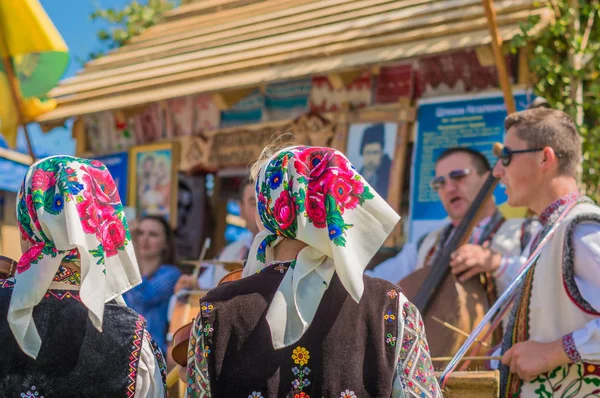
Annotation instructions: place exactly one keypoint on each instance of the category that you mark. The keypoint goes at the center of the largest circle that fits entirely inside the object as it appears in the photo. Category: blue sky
(71, 17)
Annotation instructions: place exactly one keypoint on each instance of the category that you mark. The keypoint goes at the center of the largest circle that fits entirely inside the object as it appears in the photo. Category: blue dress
(151, 300)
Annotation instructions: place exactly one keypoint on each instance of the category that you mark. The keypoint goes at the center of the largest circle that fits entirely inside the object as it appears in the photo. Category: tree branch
(588, 28)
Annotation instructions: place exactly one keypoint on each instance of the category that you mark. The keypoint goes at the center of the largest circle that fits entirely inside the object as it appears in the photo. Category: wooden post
(490, 14)
(14, 90)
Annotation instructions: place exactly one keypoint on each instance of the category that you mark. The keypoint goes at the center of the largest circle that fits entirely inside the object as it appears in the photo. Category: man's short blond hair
(543, 127)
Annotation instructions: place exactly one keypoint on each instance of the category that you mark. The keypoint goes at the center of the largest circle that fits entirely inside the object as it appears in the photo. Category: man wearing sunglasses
(552, 344)
(495, 244)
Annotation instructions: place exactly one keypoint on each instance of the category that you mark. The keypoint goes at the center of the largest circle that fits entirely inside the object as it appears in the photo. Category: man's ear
(549, 158)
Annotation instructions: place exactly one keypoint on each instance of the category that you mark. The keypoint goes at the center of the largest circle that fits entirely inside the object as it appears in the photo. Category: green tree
(564, 60)
(128, 21)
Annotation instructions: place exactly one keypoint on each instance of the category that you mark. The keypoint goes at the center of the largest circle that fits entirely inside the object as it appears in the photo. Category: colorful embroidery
(67, 275)
(208, 330)
(207, 309)
(255, 395)
(162, 365)
(391, 340)
(392, 294)
(140, 326)
(7, 284)
(300, 356)
(206, 351)
(32, 393)
(347, 394)
(570, 348)
(301, 395)
(63, 294)
(197, 370)
(414, 365)
(554, 384)
(281, 268)
(389, 316)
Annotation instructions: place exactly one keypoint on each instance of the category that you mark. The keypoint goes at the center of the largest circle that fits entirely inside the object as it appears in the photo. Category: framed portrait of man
(153, 180)
(371, 148)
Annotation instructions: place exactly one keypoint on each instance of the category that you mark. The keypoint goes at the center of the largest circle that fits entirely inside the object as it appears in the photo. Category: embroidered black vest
(75, 360)
(349, 347)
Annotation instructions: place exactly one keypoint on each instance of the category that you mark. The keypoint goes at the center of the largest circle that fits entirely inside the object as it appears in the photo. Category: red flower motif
(315, 208)
(29, 256)
(302, 395)
(112, 233)
(96, 163)
(285, 210)
(344, 188)
(101, 185)
(311, 162)
(43, 180)
(92, 214)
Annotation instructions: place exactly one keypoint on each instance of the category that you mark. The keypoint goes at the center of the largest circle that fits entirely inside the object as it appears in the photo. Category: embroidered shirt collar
(551, 212)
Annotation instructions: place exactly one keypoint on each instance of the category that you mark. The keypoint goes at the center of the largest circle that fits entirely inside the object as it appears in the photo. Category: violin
(8, 267)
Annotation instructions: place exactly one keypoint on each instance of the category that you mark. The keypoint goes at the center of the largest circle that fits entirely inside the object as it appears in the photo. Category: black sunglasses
(507, 153)
(455, 175)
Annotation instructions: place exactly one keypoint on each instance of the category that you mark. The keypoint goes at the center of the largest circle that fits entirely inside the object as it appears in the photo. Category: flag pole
(12, 82)
(490, 14)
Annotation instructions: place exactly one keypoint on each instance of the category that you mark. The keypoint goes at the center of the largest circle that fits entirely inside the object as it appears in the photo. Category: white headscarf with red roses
(69, 210)
(316, 196)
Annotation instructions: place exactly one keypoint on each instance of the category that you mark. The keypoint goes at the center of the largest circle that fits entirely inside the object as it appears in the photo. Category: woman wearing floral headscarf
(304, 322)
(67, 331)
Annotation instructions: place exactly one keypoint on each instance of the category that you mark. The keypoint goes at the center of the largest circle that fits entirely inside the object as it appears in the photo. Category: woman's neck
(148, 266)
(288, 249)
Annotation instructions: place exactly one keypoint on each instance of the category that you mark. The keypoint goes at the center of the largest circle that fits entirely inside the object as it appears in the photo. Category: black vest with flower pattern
(348, 351)
(75, 360)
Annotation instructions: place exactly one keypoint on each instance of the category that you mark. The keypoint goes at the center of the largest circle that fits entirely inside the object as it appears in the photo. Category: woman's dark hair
(168, 256)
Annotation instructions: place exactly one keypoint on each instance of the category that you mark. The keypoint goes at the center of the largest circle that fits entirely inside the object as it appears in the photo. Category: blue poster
(474, 121)
(118, 165)
(11, 175)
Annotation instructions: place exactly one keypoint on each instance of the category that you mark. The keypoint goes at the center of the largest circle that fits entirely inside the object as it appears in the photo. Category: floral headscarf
(316, 196)
(70, 211)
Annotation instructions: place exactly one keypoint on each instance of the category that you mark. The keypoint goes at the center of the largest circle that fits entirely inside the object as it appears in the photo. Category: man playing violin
(552, 344)
(495, 243)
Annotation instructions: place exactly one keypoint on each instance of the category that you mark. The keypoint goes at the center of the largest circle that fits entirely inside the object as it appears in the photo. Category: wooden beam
(240, 56)
(148, 92)
(301, 18)
(503, 77)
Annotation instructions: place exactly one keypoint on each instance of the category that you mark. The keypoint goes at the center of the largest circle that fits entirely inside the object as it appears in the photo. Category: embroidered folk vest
(75, 360)
(550, 306)
(349, 347)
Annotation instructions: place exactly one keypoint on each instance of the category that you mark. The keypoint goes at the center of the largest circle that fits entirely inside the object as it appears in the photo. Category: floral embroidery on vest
(418, 376)
(31, 393)
(300, 356)
(347, 394)
(255, 394)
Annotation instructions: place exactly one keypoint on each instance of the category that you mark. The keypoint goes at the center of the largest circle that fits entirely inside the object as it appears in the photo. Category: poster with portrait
(153, 180)
(371, 148)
